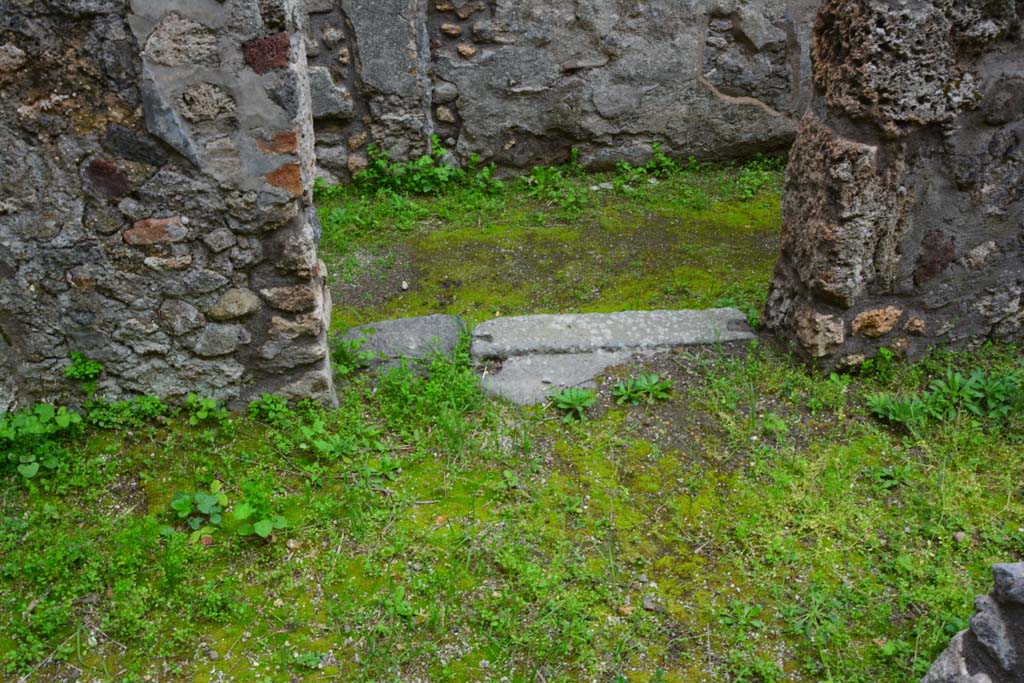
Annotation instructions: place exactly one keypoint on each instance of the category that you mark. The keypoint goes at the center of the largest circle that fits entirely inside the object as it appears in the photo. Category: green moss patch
(694, 237)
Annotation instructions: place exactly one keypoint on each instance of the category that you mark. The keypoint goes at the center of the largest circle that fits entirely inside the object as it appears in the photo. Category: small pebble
(959, 537)
(651, 605)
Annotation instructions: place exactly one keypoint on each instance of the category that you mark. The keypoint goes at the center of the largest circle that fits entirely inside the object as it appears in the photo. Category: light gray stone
(295, 299)
(219, 240)
(409, 338)
(237, 302)
(180, 41)
(205, 102)
(1009, 580)
(445, 92)
(531, 379)
(181, 317)
(628, 331)
(220, 340)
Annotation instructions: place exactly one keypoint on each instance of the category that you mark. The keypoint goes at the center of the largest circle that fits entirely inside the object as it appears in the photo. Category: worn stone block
(180, 317)
(237, 302)
(205, 102)
(296, 299)
(220, 340)
(181, 41)
(329, 99)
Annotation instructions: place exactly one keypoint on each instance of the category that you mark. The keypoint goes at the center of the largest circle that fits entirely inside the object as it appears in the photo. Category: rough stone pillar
(903, 213)
(156, 208)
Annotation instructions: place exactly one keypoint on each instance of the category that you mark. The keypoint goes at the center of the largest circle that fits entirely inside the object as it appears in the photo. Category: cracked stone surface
(531, 379)
(538, 354)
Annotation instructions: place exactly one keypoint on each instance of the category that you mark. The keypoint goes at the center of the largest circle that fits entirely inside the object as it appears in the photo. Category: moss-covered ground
(759, 525)
(558, 240)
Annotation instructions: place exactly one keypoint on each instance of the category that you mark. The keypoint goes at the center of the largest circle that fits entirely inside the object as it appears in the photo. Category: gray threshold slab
(543, 354)
(588, 332)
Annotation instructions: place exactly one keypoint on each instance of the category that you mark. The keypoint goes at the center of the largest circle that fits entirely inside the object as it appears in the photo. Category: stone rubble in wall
(157, 159)
(523, 83)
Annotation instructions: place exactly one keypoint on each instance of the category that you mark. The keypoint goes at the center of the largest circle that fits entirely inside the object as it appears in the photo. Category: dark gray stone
(989, 626)
(990, 650)
(162, 120)
(129, 144)
(329, 100)
(1009, 579)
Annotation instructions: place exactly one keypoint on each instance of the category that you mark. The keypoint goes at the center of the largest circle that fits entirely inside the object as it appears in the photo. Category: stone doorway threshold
(527, 358)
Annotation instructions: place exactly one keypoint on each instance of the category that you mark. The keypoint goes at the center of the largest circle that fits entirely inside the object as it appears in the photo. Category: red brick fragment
(287, 177)
(282, 143)
(156, 231)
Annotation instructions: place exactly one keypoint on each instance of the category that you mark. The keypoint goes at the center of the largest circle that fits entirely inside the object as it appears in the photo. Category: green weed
(644, 388)
(574, 401)
(86, 370)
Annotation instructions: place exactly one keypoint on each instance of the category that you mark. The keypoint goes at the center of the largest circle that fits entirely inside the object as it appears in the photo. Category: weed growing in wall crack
(85, 370)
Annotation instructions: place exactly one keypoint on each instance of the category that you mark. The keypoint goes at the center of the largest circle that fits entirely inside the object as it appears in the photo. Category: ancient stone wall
(155, 200)
(904, 202)
(522, 82)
